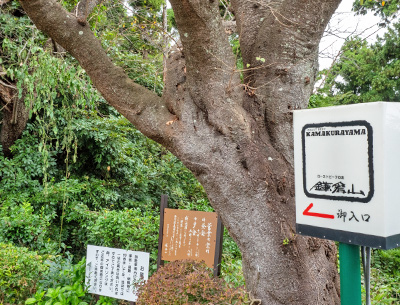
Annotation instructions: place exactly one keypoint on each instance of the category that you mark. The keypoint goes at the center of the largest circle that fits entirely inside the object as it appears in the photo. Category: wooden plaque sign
(189, 235)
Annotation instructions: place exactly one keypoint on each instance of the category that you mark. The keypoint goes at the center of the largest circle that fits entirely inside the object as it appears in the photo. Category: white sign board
(112, 272)
(347, 171)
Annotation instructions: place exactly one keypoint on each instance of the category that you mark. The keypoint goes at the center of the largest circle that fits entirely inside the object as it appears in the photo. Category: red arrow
(307, 213)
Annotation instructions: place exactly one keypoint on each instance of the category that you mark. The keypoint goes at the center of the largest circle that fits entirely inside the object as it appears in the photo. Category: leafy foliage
(19, 271)
(363, 73)
(188, 282)
(231, 269)
(20, 225)
(385, 9)
(72, 293)
(132, 35)
(131, 229)
(385, 277)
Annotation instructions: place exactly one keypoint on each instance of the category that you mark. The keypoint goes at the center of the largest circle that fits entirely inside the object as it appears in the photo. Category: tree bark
(15, 116)
(236, 138)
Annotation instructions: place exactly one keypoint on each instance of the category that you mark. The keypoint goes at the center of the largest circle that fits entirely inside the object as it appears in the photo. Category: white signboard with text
(347, 173)
(112, 272)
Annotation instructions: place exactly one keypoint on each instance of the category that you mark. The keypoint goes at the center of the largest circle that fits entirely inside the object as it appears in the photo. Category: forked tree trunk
(235, 137)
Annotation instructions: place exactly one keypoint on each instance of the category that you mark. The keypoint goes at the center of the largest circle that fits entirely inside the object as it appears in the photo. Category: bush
(20, 270)
(188, 282)
(129, 228)
(20, 225)
(126, 229)
(389, 260)
(385, 277)
(69, 288)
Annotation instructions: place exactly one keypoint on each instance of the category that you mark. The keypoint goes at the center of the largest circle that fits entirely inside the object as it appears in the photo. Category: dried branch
(6, 85)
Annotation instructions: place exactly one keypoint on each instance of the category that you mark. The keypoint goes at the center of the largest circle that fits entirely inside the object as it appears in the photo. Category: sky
(343, 24)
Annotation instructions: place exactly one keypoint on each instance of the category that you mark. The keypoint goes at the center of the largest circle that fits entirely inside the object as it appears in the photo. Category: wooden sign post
(192, 235)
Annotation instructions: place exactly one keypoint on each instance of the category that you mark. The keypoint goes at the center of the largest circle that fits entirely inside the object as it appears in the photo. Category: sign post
(350, 274)
(346, 181)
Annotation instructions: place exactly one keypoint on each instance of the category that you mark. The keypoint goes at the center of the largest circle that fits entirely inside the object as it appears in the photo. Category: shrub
(188, 282)
(70, 289)
(126, 229)
(20, 269)
(129, 228)
(385, 277)
(388, 261)
(64, 284)
(20, 225)
(231, 270)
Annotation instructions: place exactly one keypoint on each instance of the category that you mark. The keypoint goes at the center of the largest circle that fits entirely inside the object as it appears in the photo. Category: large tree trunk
(236, 138)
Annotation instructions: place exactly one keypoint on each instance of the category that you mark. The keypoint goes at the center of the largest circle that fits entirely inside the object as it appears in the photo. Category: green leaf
(50, 292)
(30, 301)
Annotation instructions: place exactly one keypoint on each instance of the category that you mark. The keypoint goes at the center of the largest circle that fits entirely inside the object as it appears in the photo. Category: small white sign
(112, 272)
(347, 177)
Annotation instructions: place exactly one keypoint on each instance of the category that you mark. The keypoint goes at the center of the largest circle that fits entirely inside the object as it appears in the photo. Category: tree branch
(6, 85)
(139, 105)
(84, 8)
(279, 41)
(211, 74)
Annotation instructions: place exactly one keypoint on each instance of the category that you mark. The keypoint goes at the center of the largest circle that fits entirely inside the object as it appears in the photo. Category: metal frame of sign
(218, 243)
